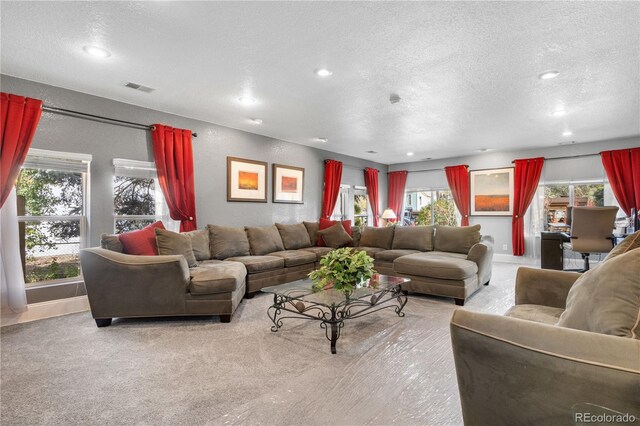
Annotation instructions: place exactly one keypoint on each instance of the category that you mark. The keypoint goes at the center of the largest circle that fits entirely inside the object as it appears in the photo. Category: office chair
(591, 231)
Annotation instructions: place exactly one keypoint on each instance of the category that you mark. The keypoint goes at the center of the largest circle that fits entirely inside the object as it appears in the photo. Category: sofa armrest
(543, 286)
(513, 371)
(122, 285)
(482, 254)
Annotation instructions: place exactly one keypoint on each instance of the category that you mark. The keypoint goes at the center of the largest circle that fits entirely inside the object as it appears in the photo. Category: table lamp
(386, 215)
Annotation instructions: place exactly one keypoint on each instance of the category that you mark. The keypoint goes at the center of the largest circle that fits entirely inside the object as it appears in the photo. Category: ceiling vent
(139, 87)
(372, 152)
(394, 98)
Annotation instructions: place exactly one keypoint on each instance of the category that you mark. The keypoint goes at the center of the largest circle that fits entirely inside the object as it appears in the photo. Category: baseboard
(42, 310)
(520, 260)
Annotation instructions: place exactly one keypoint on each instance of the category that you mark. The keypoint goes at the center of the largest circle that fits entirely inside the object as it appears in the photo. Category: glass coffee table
(332, 307)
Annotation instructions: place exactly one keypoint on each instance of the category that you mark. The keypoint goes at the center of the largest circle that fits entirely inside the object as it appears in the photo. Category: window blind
(134, 168)
(56, 160)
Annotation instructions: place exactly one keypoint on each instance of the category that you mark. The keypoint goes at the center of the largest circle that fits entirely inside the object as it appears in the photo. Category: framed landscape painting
(246, 180)
(288, 184)
(491, 192)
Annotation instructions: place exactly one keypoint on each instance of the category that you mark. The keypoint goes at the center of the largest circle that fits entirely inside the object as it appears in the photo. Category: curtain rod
(99, 118)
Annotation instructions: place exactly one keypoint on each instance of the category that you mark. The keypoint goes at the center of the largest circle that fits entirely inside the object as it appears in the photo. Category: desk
(551, 251)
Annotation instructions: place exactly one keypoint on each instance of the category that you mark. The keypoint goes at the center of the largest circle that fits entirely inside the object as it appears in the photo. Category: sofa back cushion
(264, 240)
(377, 237)
(142, 241)
(227, 242)
(413, 238)
(312, 230)
(326, 223)
(294, 236)
(169, 242)
(111, 242)
(335, 236)
(606, 299)
(199, 243)
(456, 239)
(631, 242)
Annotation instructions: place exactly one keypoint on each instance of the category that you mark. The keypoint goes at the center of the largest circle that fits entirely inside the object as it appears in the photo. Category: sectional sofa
(222, 265)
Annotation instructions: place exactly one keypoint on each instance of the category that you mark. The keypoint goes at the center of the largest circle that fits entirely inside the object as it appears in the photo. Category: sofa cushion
(312, 230)
(226, 242)
(294, 236)
(377, 237)
(371, 251)
(457, 239)
(264, 239)
(335, 236)
(326, 223)
(391, 255)
(434, 266)
(212, 277)
(537, 313)
(255, 264)
(413, 238)
(319, 252)
(606, 299)
(142, 241)
(169, 242)
(295, 257)
(111, 242)
(199, 243)
(631, 242)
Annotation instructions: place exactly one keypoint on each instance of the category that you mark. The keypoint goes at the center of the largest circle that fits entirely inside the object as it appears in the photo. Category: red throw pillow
(326, 223)
(141, 242)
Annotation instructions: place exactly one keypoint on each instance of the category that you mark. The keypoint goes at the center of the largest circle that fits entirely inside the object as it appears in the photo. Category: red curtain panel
(396, 182)
(527, 175)
(458, 178)
(371, 182)
(623, 171)
(19, 117)
(332, 179)
(174, 164)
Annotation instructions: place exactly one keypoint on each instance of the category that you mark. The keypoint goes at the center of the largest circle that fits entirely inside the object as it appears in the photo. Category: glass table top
(301, 290)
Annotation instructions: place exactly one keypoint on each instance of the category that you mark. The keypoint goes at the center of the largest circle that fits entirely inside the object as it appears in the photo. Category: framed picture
(246, 180)
(491, 192)
(288, 184)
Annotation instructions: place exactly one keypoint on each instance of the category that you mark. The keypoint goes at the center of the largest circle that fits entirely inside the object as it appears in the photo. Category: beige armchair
(515, 371)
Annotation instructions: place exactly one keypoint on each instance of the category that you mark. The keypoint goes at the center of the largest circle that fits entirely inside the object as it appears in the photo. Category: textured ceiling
(466, 71)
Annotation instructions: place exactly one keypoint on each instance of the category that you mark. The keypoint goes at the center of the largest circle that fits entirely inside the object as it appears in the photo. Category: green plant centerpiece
(344, 269)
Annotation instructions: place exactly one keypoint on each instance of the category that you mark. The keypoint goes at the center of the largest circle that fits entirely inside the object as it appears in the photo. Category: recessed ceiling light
(323, 72)
(96, 51)
(548, 75)
(409, 154)
(323, 140)
(256, 120)
(426, 158)
(246, 100)
(559, 113)
(567, 133)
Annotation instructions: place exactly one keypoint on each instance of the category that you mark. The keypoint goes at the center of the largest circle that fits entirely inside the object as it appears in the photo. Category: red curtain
(332, 179)
(527, 175)
(371, 182)
(458, 178)
(19, 117)
(623, 171)
(174, 163)
(396, 182)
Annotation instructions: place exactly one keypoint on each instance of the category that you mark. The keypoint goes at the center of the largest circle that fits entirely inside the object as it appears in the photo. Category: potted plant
(343, 269)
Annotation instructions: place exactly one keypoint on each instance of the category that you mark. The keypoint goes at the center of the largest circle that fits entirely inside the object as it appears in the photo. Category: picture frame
(288, 184)
(491, 192)
(246, 180)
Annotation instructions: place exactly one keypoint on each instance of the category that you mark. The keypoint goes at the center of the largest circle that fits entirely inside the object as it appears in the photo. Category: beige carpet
(388, 370)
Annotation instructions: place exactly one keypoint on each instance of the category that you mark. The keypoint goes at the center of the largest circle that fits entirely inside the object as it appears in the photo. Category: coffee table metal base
(332, 317)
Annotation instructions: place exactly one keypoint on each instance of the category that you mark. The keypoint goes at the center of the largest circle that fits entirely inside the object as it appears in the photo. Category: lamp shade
(388, 214)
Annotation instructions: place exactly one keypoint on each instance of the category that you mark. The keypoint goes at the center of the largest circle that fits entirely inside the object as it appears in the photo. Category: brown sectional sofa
(239, 262)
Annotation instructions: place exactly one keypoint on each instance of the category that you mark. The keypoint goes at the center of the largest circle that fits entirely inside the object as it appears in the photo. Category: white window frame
(434, 196)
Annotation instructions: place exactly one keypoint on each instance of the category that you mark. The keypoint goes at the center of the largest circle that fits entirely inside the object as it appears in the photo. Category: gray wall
(499, 227)
(211, 148)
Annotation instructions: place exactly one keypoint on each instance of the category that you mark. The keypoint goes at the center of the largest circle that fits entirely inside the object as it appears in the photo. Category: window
(341, 210)
(137, 197)
(52, 214)
(559, 195)
(430, 207)
(360, 207)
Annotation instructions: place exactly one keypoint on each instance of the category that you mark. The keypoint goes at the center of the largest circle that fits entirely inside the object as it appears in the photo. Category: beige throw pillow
(335, 236)
(312, 230)
(200, 243)
(377, 237)
(606, 299)
(111, 242)
(173, 243)
(413, 238)
(264, 240)
(227, 242)
(294, 236)
(631, 242)
(456, 239)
